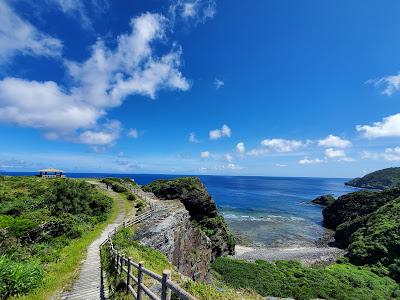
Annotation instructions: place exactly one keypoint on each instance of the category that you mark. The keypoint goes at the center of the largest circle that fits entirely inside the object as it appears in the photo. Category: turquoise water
(269, 211)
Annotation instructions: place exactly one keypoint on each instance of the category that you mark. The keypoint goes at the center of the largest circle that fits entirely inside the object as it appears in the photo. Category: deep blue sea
(269, 211)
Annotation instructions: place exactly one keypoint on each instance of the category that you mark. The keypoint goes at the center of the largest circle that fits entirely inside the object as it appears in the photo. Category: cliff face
(171, 231)
(203, 211)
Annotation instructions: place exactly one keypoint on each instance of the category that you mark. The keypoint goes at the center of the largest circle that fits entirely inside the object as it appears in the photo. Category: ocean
(264, 211)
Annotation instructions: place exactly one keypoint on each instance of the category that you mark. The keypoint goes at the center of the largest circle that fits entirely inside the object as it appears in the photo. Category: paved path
(88, 286)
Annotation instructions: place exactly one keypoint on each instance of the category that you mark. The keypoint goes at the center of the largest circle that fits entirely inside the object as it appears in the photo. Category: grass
(64, 271)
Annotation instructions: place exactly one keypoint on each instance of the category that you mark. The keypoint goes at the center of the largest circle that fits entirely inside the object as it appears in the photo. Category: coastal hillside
(44, 227)
(367, 225)
(203, 211)
(382, 179)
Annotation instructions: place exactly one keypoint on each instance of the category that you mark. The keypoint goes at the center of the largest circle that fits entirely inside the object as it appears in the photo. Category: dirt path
(88, 284)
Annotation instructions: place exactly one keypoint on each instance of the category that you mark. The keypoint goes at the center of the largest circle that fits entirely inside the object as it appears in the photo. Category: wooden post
(122, 263)
(117, 262)
(165, 293)
(140, 281)
(128, 277)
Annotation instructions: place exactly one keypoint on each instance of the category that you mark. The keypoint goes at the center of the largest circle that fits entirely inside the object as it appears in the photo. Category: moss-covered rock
(324, 200)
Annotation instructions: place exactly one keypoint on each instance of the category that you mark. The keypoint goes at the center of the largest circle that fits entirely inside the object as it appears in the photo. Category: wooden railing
(134, 272)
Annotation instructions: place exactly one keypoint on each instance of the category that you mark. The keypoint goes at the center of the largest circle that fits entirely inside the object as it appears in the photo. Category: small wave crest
(266, 218)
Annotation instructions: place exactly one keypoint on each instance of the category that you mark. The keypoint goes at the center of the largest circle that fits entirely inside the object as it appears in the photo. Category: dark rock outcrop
(324, 200)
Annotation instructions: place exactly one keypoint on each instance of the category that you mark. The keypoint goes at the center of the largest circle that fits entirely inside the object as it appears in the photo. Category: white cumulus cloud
(332, 141)
(388, 127)
(18, 36)
(282, 145)
(337, 154)
(216, 134)
(103, 137)
(101, 82)
(391, 83)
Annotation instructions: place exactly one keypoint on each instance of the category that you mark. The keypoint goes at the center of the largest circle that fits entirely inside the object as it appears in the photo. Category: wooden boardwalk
(89, 284)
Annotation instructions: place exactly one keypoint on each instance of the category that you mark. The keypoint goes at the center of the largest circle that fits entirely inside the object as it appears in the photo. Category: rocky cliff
(171, 231)
(203, 211)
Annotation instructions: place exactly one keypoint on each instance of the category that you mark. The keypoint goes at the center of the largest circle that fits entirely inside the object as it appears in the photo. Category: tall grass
(19, 277)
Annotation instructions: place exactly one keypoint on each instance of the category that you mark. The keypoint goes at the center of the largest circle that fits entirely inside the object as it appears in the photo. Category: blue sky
(280, 88)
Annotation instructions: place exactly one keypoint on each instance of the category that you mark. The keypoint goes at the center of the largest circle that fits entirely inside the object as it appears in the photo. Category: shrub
(378, 241)
(38, 218)
(77, 197)
(291, 279)
(17, 278)
(394, 270)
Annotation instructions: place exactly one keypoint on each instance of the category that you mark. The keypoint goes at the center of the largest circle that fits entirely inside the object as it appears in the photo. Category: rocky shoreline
(307, 255)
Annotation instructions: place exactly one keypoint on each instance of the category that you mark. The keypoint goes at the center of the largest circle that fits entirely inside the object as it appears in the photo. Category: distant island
(382, 179)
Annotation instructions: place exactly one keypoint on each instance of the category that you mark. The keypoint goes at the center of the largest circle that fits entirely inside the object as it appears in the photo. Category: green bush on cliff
(353, 205)
(368, 224)
(202, 209)
(382, 179)
(291, 279)
(378, 240)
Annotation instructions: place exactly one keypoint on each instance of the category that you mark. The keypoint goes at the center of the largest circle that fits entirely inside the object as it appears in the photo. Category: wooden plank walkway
(89, 284)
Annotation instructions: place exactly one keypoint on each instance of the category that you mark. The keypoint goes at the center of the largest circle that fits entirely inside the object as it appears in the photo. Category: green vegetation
(19, 277)
(367, 224)
(382, 179)
(202, 209)
(124, 185)
(39, 220)
(291, 279)
(349, 207)
(377, 240)
(156, 261)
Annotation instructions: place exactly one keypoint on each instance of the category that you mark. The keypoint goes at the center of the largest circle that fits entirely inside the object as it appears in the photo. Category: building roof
(51, 170)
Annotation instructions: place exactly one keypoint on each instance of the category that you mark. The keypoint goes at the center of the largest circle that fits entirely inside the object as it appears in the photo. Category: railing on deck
(135, 271)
